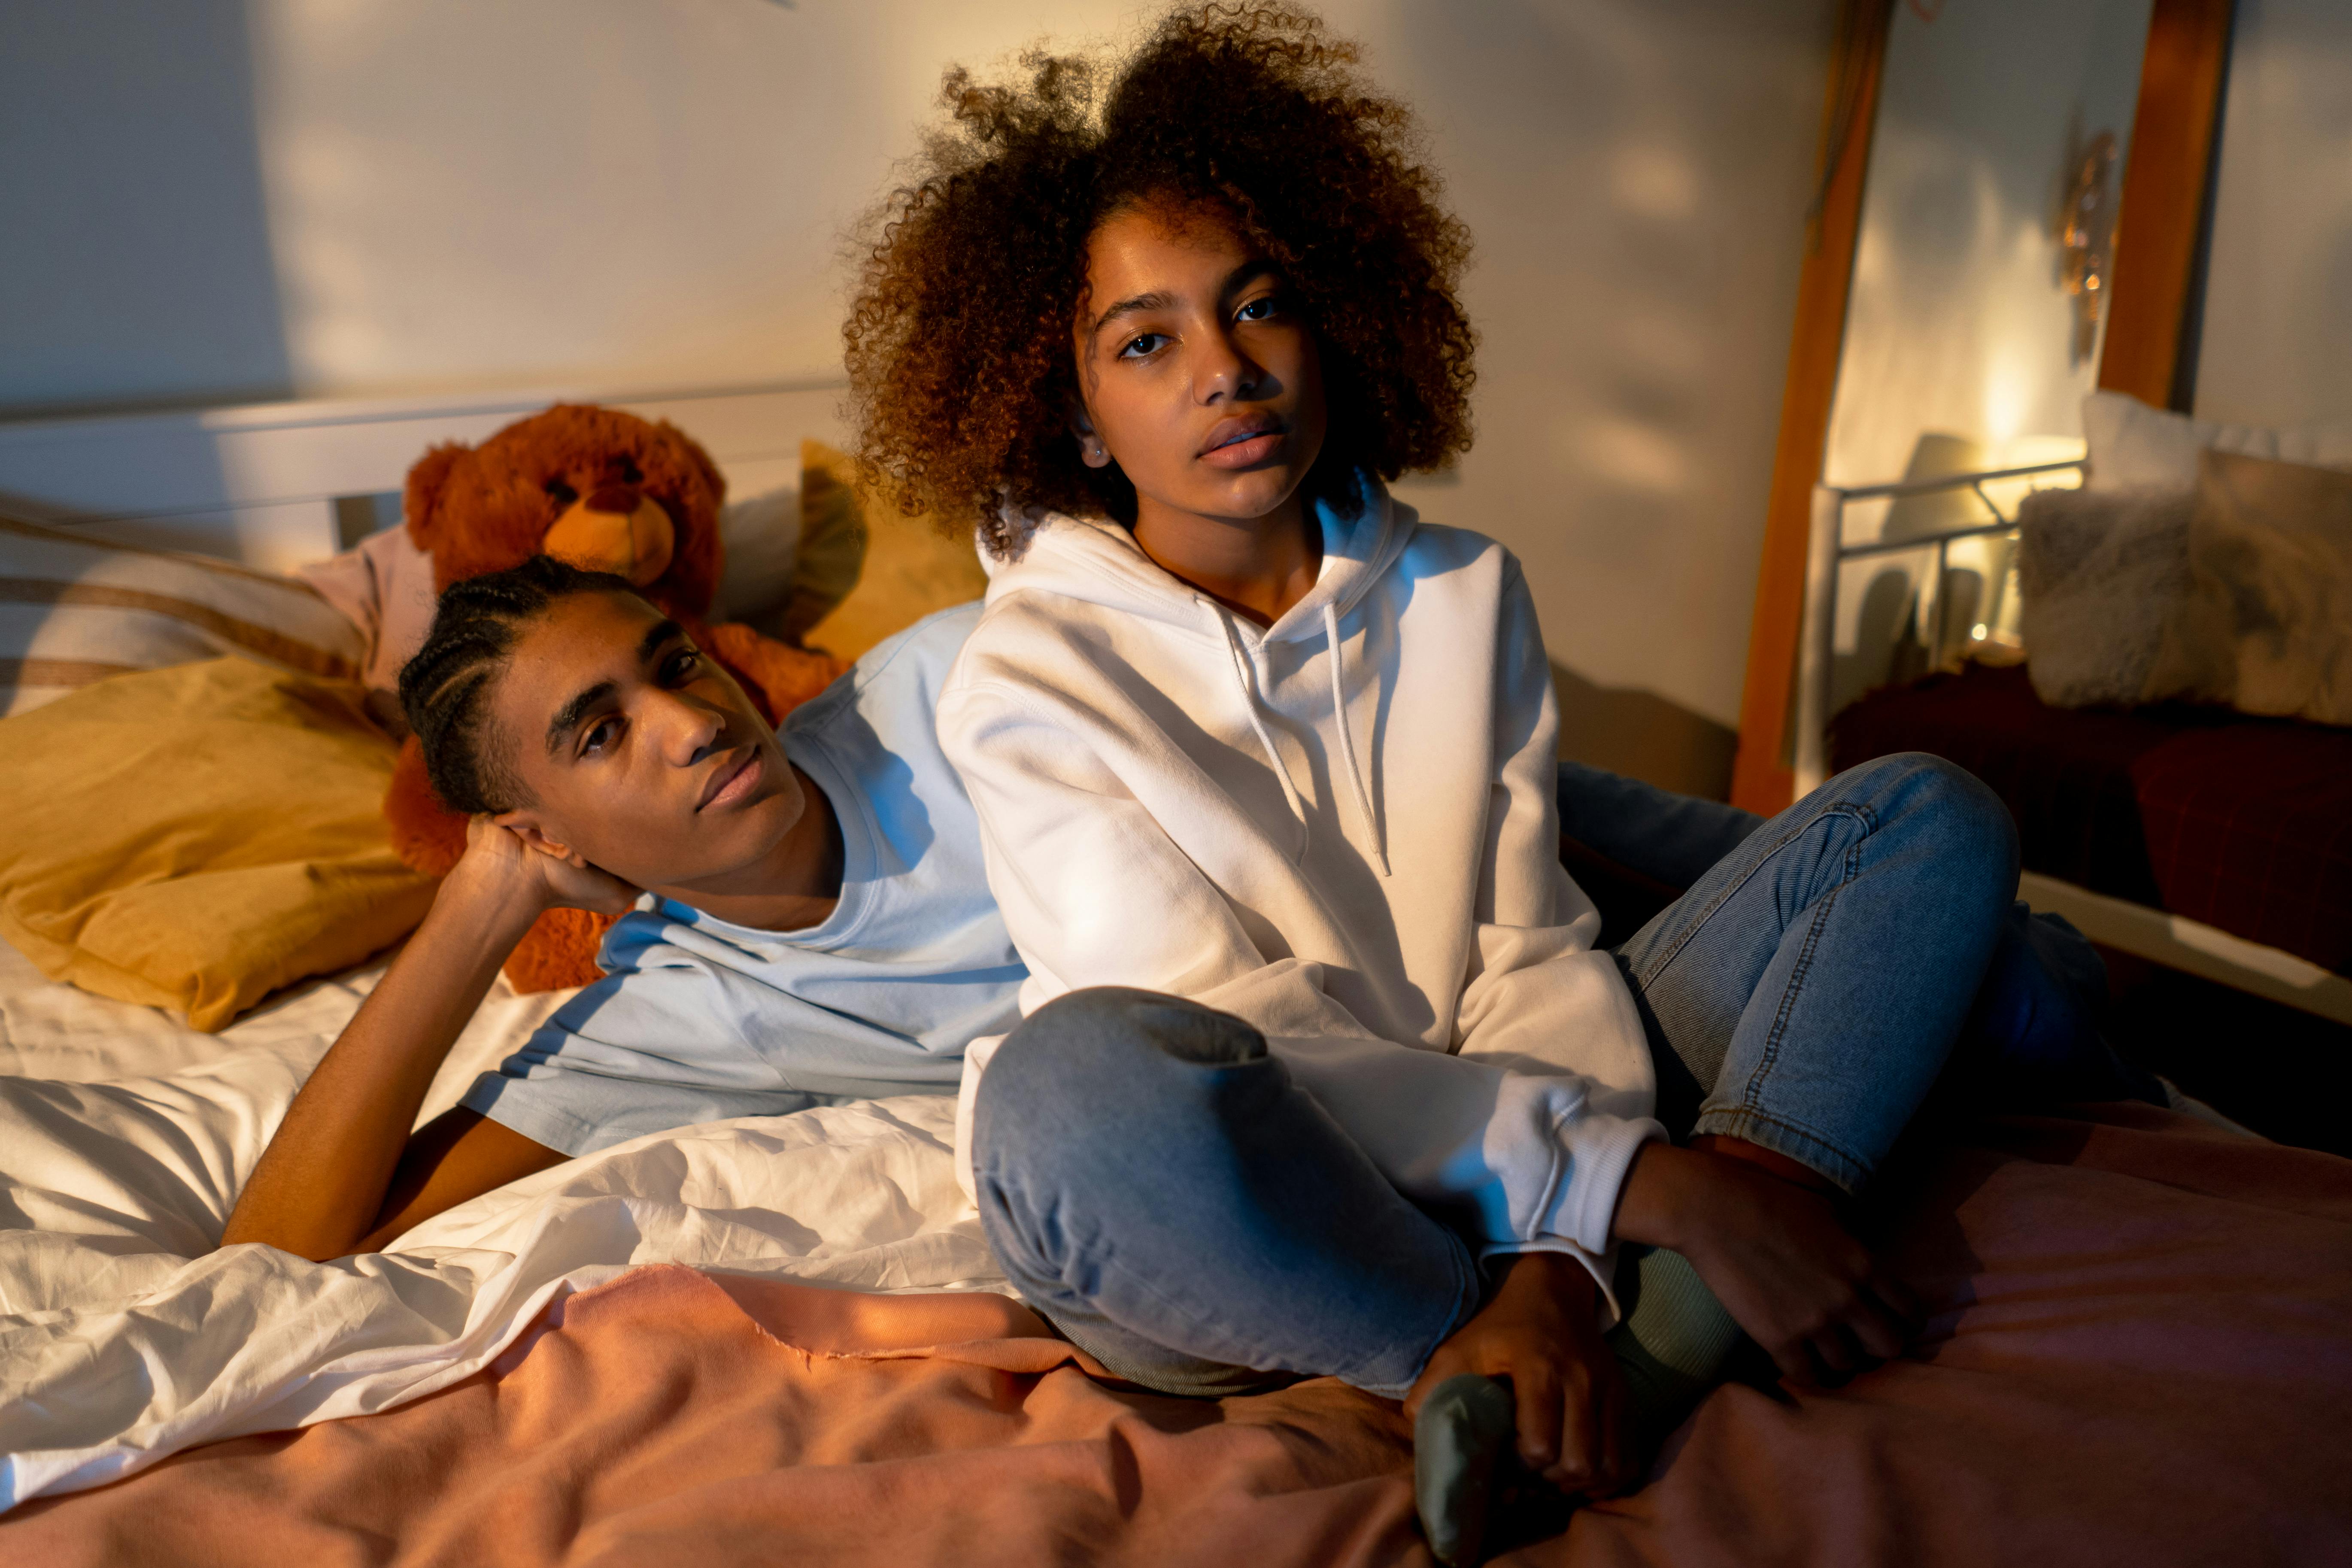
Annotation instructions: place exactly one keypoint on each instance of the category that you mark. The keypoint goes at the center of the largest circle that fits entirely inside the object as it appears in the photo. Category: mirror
(1976, 314)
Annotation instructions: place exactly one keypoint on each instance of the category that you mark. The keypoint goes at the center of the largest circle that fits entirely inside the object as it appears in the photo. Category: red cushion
(2243, 823)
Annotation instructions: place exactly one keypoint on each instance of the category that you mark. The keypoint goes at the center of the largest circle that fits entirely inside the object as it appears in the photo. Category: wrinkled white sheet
(124, 1137)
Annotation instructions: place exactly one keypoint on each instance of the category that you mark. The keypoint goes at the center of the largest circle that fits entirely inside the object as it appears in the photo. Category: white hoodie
(1351, 846)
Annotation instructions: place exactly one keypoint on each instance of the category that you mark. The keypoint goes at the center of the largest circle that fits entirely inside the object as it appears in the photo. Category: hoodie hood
(1099, 562)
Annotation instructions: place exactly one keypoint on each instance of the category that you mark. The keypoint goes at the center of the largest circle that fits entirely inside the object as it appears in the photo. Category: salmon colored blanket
(2142, 1353)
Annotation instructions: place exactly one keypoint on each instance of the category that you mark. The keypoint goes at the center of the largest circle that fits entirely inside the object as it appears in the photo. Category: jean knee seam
(1752, 1092)
(1689, 929)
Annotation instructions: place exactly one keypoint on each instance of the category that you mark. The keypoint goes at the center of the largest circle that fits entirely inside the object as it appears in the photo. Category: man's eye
(684, 665)
(600, 735)
(1143, 345)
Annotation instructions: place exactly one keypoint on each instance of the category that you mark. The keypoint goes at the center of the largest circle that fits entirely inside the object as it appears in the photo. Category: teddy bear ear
(427, 481)
(703, 464)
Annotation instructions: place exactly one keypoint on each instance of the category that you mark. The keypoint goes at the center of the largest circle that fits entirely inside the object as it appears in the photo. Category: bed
(2187, 834)
(784, 1339)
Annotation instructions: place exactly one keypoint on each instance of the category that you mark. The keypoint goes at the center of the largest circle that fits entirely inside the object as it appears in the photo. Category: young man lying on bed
(819, 927)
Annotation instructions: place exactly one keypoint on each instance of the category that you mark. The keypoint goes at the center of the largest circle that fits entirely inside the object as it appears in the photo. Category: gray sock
(1671, 1347)
(1672, 1344)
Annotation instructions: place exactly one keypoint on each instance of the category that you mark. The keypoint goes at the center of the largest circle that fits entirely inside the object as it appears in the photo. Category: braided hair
(442, 689)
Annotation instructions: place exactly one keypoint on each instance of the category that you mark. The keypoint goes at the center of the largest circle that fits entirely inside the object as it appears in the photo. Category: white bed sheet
(124, 1137)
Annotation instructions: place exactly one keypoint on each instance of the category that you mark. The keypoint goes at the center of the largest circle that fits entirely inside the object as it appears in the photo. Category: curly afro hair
(961, 363)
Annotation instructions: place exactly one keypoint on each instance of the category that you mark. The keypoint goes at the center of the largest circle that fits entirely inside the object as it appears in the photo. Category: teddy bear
(607, 491)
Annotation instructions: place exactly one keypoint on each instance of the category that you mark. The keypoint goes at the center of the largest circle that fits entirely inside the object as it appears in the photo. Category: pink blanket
(2143, 1355)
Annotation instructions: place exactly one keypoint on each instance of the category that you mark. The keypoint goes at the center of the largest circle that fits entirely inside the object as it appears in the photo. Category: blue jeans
(1154, 1182)
(2031, 1036)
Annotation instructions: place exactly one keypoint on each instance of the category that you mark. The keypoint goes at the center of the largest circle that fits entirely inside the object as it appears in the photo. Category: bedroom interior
(1855, 376)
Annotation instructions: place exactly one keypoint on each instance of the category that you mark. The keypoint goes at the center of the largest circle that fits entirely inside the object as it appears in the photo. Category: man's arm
(459, 1154)
(342, 1173)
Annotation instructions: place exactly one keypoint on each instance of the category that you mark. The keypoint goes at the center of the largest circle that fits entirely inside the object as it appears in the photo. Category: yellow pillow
(198, 837)
(832, 549)
(909, 567)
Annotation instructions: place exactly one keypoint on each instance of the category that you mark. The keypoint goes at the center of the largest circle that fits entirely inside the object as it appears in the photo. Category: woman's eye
(561, 494)
(684, 665)
(1258, 310)
(1143, 345)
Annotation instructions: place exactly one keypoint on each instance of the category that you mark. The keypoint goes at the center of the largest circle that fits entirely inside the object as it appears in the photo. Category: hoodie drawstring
(1245, 678)
(1372, 824)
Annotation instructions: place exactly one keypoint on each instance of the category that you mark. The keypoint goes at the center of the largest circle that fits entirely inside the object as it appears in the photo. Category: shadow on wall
(1643, 736)
(138, 265)
(1636, 176)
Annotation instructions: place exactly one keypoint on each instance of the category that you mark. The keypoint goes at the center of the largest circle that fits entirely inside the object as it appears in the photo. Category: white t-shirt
(698, 1019)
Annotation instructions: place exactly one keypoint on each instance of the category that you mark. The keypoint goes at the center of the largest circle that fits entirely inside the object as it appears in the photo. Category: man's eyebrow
(651, 643)
(567, 717)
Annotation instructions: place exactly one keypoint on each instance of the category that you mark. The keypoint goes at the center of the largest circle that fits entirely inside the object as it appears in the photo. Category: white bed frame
(2153, 934)
(274, 485)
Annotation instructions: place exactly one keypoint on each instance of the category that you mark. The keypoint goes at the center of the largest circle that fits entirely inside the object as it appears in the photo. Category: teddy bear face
(595, 487)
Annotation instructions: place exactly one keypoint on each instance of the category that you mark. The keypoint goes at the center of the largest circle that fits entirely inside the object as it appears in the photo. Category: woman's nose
(1228, 372)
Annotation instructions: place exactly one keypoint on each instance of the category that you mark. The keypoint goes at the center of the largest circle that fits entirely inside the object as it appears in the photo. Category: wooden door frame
(2166, 198)
(1762, 778)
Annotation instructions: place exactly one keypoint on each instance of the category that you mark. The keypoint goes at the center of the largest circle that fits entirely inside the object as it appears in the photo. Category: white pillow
(2133, 446)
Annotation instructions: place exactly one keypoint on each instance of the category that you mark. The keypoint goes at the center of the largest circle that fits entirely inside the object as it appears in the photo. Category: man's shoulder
(896, 681)
(924, 651)
(659, 937)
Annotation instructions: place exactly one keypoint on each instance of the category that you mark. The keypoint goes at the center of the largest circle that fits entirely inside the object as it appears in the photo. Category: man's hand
(1542, 1331)
(500, 866)
(1775, 1255)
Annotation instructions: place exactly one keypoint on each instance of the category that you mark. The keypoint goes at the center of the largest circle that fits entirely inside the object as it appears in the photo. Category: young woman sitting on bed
(1314, 1025)
(819, 926)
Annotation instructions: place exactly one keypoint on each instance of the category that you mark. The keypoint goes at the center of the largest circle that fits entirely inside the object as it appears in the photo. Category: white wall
(224, 199)
(2276, 347)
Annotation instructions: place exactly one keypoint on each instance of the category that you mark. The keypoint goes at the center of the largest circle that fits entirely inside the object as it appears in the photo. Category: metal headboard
(1829, 551)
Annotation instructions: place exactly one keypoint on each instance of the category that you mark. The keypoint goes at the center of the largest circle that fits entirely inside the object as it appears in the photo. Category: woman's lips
(1247, 451)
(733, 784)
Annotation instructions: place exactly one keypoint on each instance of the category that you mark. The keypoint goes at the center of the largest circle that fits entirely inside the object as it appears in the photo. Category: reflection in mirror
(1981, 270)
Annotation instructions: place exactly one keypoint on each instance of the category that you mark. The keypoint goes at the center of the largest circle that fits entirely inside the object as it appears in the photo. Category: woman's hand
(1775, 1255)
(500, 866)
(1541, 1330)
